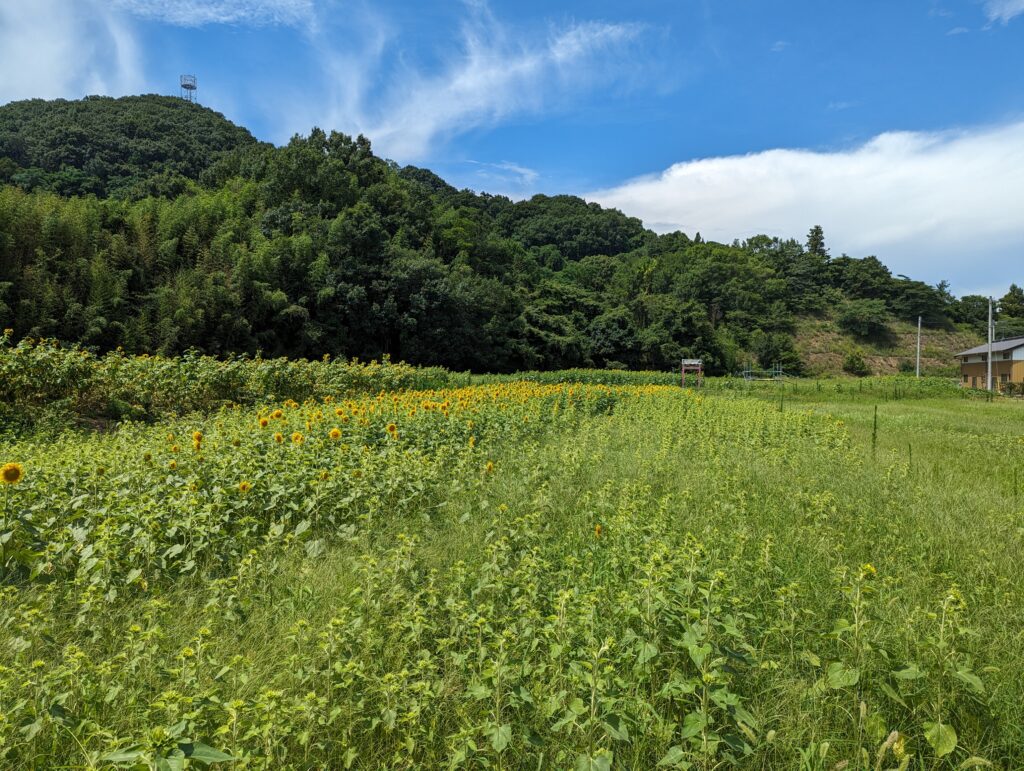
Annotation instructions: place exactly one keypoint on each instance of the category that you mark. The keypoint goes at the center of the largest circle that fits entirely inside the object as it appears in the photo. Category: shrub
(43, 375)
(855, 365)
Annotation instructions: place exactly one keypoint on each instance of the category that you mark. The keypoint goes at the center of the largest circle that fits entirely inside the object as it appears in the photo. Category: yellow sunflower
(11, 473)
(335, 434)
(244, 487)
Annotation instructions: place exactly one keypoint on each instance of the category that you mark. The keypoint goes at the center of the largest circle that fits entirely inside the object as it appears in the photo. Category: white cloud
(958, 31)
(930, 205)
(491, 76)
(57, 48)
(197, 13)
(1003, 10)
(505, 178)
(779, 46)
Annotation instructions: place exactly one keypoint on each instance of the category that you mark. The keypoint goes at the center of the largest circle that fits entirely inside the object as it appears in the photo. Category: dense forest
(131, 147)
(158, 226)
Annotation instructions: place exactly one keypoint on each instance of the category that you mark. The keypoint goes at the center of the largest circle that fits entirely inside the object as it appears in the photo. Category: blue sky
(898, 126)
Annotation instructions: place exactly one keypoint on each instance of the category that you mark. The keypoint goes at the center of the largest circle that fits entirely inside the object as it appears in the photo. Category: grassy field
(522, 574)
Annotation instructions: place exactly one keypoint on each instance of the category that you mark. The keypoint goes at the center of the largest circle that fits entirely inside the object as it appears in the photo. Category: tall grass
(523, 576)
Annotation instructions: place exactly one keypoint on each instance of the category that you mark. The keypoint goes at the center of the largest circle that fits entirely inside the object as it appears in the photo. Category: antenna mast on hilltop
(188, 88)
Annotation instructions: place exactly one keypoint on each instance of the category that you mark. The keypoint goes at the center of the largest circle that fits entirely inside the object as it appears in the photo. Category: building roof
(997, 347)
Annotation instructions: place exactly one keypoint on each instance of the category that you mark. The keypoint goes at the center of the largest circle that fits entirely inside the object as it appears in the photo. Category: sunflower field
(517, 574)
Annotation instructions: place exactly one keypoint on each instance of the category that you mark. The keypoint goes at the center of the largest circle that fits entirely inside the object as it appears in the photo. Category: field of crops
(518, 574)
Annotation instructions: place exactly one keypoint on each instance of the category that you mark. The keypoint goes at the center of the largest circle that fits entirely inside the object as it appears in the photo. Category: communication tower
(188, 88)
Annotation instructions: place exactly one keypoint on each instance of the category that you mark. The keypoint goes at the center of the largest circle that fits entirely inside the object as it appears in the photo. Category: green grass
(777, 583)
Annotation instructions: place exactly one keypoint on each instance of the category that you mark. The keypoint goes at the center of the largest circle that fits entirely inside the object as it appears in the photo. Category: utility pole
(989, 357)
(918, 346)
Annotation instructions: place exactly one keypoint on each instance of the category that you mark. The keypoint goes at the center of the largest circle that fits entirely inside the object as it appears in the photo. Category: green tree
(868, 319)
(971, 309)
(1011, 304)
(816, 241)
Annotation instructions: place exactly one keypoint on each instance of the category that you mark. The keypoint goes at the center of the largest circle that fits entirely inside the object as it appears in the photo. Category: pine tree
(816, 241)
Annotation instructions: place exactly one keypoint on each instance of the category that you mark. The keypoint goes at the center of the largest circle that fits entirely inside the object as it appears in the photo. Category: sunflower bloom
(264, 422)
(244, 487)
(172, 465)
(11, 473)
(297, 438)
(335, 434)
(489, 468)
(277, 414)
(197, 436)
(598, 530)
(279, 437)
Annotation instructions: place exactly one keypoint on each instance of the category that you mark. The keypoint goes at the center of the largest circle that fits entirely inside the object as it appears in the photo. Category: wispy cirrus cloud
(839, 106)
(934, 205)
(198, 13)
(55, 48)
(491, 75)
(1003, 10)
(504, 178)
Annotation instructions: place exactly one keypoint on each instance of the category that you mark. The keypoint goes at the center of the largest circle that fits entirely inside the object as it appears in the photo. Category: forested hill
(129, 147)
(320, 247)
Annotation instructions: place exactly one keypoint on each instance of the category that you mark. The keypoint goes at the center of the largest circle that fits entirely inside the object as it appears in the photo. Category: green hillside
(128, 147)
(156, 225)
(823, 346)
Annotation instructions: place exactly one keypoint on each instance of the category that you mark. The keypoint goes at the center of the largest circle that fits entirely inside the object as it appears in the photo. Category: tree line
(321, 247)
